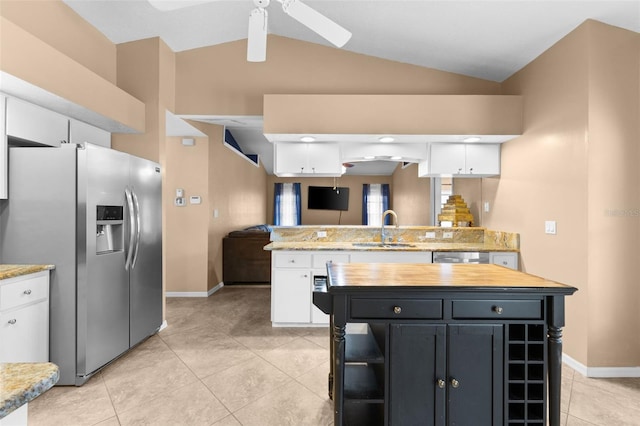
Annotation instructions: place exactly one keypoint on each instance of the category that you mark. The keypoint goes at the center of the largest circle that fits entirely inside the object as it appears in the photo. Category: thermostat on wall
(195, 199)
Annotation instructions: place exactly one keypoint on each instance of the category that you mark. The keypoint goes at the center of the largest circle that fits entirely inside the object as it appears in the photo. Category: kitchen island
(443, 344)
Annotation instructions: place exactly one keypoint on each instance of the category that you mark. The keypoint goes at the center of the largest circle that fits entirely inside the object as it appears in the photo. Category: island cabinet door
(474, 374)
(417, 361)
(445, 375)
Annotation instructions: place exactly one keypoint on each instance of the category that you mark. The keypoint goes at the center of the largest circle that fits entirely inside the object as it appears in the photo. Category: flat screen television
(328, 198)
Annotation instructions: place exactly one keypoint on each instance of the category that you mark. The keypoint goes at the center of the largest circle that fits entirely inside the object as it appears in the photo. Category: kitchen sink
(385, 245)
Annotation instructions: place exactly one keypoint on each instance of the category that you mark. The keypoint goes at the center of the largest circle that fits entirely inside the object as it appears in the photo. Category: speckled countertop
(23, 382)
(11, 271)
(410, 238)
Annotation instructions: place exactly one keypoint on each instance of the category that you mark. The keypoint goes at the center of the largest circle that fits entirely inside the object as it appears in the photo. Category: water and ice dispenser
(109, 229)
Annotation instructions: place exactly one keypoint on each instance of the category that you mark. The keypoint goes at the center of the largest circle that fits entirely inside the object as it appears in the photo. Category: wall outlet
(180, 202)
(486, 207)
(322, 234)
(446, 235)
(215, 213)
(431, 235)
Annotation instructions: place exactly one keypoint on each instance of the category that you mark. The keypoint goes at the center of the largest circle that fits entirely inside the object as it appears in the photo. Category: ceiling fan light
(317, 22)
(257, 37)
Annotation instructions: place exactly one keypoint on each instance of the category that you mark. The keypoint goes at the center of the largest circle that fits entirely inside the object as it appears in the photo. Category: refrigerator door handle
(137, 233)
(132, 221)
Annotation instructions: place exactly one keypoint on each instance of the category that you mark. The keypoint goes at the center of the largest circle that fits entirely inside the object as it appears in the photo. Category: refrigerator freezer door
(146, 273)
(103, 282)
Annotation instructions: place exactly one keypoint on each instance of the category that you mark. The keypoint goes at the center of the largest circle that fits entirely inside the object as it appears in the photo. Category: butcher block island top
(408, 276)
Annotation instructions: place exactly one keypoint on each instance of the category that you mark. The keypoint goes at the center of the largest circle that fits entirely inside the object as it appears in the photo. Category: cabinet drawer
(396, 308)
(24, 290)
(498, 309)
(320, 260)
(292, 260)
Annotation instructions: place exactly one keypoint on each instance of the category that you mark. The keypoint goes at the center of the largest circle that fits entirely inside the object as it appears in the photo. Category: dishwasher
(460, 257)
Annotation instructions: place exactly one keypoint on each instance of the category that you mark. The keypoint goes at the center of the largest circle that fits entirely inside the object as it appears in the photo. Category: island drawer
(498, 309)
(396, 308)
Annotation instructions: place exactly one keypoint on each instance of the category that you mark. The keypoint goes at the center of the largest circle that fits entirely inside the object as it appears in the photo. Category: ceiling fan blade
(257, 40)
(319, 23)
(167, 5)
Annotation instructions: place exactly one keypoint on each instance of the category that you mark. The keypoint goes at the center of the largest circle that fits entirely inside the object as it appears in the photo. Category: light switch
(550, 227)
(486, 207)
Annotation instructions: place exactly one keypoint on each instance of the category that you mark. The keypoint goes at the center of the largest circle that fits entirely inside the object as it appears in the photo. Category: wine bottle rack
(526, 374)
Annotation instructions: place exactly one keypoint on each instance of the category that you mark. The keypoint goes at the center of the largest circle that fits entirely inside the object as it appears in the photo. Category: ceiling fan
(257, 37)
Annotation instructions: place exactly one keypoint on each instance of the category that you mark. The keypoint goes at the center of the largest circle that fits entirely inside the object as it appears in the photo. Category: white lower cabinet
(292, 275)
(24, 318)
(508, 259)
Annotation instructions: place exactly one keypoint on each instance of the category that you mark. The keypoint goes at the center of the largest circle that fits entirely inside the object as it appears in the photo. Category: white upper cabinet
(31, 123)
(307, 159)
(461, 160)
(80, 132)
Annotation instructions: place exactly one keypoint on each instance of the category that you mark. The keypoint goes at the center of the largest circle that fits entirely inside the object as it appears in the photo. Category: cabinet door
(24, 334)
(416, 363)
(510, 260)
(291, 296)
(35, 124)
(290, 157)
(80, 132)
(323, 158)
(474, 376)
(447, 159)
(482, 159)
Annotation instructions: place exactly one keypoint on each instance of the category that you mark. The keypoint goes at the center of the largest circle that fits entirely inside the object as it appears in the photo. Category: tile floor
(219, 362)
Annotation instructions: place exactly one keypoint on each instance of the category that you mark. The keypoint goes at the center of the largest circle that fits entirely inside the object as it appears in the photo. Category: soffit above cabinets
(407, 118)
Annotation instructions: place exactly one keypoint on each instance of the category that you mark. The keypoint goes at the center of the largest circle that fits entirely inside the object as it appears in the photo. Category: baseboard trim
(195, 293)
(600, 372)
(163, 325)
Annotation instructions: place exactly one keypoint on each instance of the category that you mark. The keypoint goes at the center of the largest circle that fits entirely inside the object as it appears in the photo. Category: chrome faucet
(383, 236)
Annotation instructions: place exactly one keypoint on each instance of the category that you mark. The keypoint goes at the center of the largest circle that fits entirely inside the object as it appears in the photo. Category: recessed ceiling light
(472, 139)
(386, 139)
(308, 139)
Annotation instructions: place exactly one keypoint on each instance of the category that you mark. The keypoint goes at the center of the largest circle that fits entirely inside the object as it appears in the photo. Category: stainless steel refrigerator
(95, 213)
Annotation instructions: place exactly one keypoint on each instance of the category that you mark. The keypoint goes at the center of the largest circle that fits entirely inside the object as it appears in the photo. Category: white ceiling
(489, 39)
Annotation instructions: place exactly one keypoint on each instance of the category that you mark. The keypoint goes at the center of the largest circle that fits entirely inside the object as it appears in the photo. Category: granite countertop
(412, 246)
(11, 271)
(23, 382)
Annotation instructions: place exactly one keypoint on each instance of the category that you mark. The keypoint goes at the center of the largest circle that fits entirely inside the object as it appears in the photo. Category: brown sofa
(243, 257)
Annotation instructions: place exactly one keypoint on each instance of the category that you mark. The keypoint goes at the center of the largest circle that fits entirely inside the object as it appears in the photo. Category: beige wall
(576, 161)
(219, 80)
(410, 196)
(65, 31)
(353, 216)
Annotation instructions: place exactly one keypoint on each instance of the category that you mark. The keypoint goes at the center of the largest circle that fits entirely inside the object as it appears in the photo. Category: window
(375, 200)
(287, 207)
